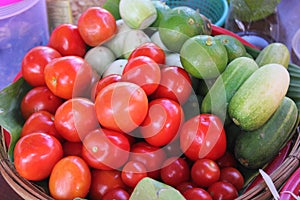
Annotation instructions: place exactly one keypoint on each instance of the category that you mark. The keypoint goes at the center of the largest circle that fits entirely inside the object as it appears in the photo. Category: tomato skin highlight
(133, 172)
(36, 154)
(75, 118)
(65, 38)
(61, 186)
(162, 122)
(121, 106)
(105, 149)
(69, 76)
(96, 25)
(34, 63)
(203, 136)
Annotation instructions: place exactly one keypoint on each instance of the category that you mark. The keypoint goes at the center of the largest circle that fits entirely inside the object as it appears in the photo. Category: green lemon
(161, 8)
(204, 57)
(178, 25)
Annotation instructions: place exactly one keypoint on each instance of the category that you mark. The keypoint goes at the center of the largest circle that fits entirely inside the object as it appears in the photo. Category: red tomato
(70, 178)
(175, 84)
(205, 172)
(227, 160)
(105, 149)
(162, 122)
(150, 50)
(39, 98)
(133, 172)
(75, 118)
(121, 106)
(41, 122)
(36, 154)
(72, 148)
(152, 157)
(102, 83)
(116, 194)
(222, 190)
(197, 194)
(65, 38)
(173, 148)
(34, 62)
(69, 76)
(182, 187)
(96, 25)
(203, 136)
(233, 176)
(104, 181)
(144, 72)
(175, 171)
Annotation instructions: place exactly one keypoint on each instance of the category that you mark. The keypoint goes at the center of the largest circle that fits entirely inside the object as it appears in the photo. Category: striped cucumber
(259, 97)
(256, 148)
(221, 92)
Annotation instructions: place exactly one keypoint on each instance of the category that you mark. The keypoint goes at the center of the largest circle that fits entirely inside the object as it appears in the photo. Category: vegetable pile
(147, 104)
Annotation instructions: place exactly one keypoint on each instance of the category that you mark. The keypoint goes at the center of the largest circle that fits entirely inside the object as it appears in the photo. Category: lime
(178, 25)
(162, 8)
(113, 7)
(204, 57)
(233, 46)
(249, 10)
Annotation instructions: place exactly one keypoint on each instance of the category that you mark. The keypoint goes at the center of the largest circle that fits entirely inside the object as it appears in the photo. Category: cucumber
(256, 148)
(294, 87)
(259, 97)
(219, 95)
(274, 53)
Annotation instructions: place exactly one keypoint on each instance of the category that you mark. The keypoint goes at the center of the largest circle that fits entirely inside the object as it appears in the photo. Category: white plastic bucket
(23, 25)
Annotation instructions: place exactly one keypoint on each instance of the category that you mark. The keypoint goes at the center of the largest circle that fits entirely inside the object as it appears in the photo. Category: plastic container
(214, 10)
(23, 25)
(296, 48)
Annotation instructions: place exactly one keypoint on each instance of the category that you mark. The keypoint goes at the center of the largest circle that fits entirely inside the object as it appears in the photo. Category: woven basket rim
(29, 190)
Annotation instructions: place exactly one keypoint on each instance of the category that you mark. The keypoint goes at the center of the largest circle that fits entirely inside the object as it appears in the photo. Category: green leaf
(150, 189)
(10, 114)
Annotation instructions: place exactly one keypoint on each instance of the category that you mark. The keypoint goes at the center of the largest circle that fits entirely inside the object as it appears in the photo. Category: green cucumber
(256, 148)
(294, 87)
(259, 97)
(274, 53)
(221, 92)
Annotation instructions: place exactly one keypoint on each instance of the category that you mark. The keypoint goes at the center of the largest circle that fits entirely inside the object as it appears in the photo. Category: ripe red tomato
(121, 106)
(162, 122)
(182, 187)
(70, 178)
(150, 50)
(222, 190)
(105, 149)
(75, 118)
(36, 154)
(197, 194)
(227, 160)
(233, 176)
(34, 62)
(133, 172)
(116, 194)
(96, 25)
(203, 136)
(152, 157)
(175, 171)
(205, 172)
(175, 84)
(103, 82)
(39, 98)
(65, 38)
(72, 148)
(104, 181)
(144, 72)
(41, 122)
(69, 76)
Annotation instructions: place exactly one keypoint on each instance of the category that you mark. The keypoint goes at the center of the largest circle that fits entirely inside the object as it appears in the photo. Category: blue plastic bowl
(215, 10)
